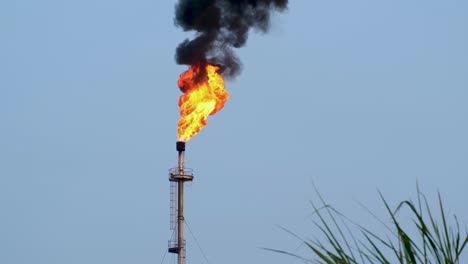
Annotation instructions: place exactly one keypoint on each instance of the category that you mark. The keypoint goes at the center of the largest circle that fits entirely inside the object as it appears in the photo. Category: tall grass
(430, 238)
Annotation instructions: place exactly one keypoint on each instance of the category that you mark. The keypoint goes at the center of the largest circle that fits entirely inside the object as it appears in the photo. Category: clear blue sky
(352, 95)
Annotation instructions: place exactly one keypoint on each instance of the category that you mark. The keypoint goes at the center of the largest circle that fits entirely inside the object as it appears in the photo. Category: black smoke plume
(220, 26)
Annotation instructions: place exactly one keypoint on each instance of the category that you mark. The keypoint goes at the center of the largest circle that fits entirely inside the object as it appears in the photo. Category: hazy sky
(356, 96)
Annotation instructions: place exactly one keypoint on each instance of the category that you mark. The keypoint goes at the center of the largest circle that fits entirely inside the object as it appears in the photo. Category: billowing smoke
(220, 26)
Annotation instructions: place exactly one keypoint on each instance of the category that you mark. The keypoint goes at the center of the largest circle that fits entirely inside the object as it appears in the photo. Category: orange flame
(200, 99)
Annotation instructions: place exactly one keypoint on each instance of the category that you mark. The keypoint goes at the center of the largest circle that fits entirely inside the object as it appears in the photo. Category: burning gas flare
(201, 98)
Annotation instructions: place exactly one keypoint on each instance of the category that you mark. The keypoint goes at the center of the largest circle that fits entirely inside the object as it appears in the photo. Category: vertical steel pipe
(180, 146)
(181, 162)
(180, 218)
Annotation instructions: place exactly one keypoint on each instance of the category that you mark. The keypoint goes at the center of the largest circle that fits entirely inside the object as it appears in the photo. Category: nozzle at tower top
(180, 146)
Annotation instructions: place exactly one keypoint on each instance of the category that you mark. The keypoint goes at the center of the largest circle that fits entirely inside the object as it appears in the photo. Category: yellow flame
(200, 99)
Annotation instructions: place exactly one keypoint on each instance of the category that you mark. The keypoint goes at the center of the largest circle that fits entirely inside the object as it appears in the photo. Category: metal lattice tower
(177, 177)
